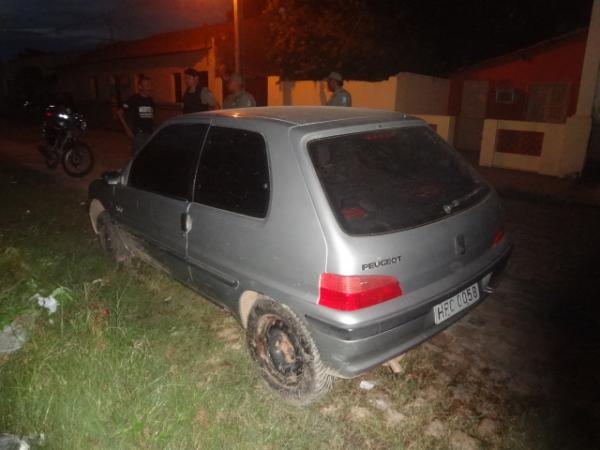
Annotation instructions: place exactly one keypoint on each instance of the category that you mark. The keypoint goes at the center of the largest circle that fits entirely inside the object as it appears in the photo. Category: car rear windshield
(388, 180)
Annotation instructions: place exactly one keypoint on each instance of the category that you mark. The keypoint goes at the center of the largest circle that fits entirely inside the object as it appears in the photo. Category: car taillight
(498, 236)
(352, 292)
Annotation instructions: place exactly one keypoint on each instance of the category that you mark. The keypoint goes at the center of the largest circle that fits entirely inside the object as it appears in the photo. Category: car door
(158, 192)
(231, 199)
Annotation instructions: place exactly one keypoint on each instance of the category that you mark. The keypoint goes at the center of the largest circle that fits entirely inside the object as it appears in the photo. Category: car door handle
(186, 222)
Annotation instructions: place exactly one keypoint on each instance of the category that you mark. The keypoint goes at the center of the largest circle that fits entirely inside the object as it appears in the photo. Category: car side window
(166, 163)
(233, 173)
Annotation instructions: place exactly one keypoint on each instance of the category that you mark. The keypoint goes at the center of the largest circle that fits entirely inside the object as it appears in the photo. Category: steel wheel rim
(280, 350)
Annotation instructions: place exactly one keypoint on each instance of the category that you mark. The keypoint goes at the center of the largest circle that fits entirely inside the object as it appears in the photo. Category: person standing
(238, 97)
(196, 98)
(141, 109)
(339, 95)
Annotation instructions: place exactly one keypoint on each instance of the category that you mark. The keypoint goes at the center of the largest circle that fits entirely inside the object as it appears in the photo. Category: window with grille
(548, 102)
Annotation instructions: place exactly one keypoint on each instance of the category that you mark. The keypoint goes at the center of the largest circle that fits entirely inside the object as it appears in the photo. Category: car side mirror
(112, 178)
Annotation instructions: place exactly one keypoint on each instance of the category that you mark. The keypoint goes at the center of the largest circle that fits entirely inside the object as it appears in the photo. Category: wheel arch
(96, 208)
(246, 302)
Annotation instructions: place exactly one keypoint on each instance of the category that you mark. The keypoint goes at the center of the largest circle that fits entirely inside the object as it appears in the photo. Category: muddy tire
(285, 354)
(111, 242)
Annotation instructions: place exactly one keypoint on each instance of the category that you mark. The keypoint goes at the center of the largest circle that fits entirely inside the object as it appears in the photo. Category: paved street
(538, 337)
(534, 344)
(18, 142)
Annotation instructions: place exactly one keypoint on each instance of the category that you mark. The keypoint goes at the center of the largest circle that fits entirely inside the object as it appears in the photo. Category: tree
(310, 38)
(373, 39)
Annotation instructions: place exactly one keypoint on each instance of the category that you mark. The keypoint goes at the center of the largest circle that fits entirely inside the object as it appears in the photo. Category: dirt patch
(460, 440)
(359, 413)
(329, 409)
(435, 429)
(202, 419)
(232, 336)
(487, 428)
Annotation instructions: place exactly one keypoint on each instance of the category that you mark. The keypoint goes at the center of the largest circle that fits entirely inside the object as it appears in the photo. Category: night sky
(435, 36)
(55, 25)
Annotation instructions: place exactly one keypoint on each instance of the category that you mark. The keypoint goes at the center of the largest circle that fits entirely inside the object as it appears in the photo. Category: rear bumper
(352, 351)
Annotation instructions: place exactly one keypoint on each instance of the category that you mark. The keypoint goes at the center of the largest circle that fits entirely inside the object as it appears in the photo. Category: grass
(134, 360)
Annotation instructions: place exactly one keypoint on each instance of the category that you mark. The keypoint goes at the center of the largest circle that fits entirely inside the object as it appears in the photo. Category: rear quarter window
(388, 180)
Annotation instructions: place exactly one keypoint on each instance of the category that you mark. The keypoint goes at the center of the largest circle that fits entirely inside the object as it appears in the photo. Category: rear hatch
(408, 207)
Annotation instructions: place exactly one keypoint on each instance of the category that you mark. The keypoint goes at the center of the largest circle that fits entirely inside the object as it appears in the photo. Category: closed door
(230, 203)
(547, 102)
(160, 181)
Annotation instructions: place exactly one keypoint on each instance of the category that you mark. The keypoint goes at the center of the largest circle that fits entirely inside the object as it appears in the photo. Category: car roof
(307, 115)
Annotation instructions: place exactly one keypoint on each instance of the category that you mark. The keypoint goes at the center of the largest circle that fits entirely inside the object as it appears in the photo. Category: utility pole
(236, 33)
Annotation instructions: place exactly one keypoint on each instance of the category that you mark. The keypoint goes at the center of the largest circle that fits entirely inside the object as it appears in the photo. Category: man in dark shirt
(141, 109)
(196, 98)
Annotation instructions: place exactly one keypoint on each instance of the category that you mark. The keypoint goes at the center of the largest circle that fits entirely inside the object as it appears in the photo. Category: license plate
(455, 304)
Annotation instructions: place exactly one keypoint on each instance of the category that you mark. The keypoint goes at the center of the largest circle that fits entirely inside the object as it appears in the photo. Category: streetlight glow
(236, 32)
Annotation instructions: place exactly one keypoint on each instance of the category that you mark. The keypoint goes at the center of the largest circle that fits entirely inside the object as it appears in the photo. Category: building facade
(101, 79)
(535, 109)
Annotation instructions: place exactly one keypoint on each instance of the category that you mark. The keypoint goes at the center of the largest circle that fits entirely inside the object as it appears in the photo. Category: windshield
(388, 180)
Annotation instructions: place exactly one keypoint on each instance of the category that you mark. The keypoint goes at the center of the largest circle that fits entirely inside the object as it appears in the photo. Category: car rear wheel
(285, 354)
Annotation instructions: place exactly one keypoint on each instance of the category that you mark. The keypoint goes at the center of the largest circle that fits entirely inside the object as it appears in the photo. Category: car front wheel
(285, 353)
(110, 240)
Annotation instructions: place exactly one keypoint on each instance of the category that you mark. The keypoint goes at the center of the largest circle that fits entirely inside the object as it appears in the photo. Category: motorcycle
(62, 143)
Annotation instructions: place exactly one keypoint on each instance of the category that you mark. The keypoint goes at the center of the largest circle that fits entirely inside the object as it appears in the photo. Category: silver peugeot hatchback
(339, 237)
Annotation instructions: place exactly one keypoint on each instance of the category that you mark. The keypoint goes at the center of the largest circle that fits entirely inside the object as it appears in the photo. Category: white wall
(444, 125)
(591, 64)
(406, 92)
(377, 95)
(560, 147)
(422, 94)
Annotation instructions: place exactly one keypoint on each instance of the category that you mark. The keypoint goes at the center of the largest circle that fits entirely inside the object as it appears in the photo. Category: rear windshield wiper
(449, 207)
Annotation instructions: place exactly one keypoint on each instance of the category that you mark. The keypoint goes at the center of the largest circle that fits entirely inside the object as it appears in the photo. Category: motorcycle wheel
(78, 160)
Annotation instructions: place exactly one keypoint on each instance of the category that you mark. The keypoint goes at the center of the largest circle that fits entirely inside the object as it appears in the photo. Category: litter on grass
(366, 385)
(12, 442)
(49, 303)
(12, 338)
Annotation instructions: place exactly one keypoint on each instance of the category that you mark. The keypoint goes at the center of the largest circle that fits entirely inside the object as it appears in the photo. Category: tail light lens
(352, 292)
(498, 236)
